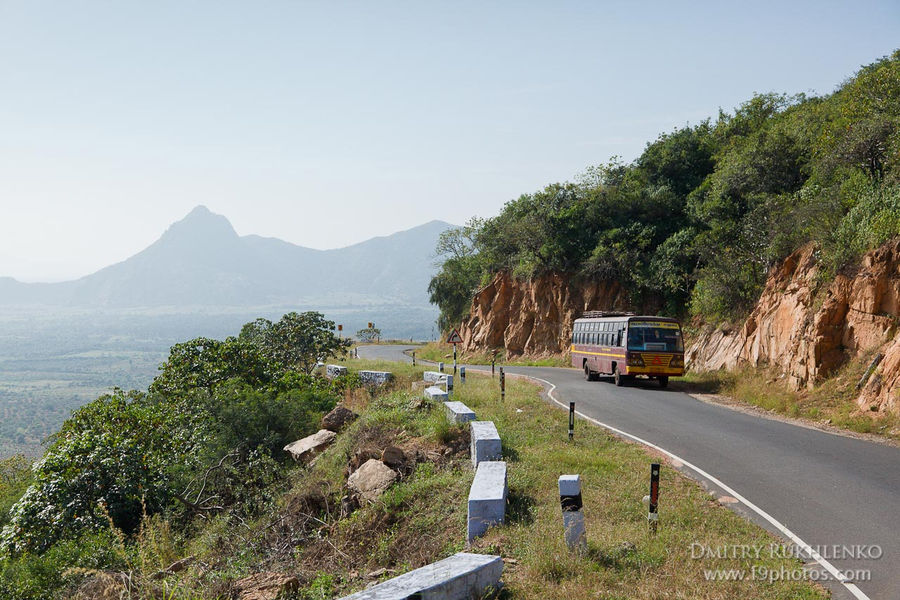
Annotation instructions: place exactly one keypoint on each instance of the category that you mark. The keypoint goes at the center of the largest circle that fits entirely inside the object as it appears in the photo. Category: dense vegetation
(694, 224)
(204, 439)
(53, 362)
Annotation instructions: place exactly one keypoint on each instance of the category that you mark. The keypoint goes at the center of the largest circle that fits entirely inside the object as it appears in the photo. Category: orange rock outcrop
(534, 317)
(788, 330)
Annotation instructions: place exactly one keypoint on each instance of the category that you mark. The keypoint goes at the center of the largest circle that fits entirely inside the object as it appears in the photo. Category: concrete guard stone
(485, 444)
(460, 577)
(487, 498)
(458, 412)
(376, 378)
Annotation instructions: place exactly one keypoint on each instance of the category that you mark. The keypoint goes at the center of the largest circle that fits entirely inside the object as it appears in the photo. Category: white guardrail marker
(572, 512)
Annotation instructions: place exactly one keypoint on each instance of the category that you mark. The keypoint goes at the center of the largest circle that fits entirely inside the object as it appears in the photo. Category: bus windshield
(659, 336)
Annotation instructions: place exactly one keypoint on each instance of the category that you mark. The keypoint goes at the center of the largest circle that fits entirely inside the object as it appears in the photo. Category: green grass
(623, 561)
(422, 518)
(440, 352)
(832, 401)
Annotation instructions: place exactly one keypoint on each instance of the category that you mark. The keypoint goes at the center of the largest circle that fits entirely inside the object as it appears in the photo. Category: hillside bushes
(205, 439)
(693, 225)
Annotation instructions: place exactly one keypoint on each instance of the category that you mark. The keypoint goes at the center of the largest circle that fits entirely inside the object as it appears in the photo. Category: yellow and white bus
(625, 345)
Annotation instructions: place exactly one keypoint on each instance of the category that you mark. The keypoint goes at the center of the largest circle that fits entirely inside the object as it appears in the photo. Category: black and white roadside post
(441, 367)
(572, 512)
(462, 375)
(571, 421)
(502, 385)
(454, 359)
(414, 357)
(653, 498)
(448, 380)
(493, 360)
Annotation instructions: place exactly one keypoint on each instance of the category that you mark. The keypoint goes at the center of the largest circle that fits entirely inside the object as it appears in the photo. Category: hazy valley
(63, 344)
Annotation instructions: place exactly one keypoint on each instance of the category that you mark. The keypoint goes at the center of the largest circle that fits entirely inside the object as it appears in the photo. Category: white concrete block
(487, 498)
(458, 412)
(434, 377)
(435, 393)
(376, 378)
(485, 444)
(569, 485)
(460, 577)
(332, 371)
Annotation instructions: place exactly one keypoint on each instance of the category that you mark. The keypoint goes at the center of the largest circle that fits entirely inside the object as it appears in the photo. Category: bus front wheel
(618, 378)
(588, 374)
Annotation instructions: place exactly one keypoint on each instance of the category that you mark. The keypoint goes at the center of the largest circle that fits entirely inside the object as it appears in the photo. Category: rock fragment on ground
(394, 457)
(306, 449)
(338, 418)
(266, 586)
(371, 479)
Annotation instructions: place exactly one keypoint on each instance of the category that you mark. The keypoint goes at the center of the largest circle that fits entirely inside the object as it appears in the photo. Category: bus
(625, 345)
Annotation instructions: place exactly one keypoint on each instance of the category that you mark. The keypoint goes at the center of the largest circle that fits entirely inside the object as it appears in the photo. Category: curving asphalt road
(827, 490)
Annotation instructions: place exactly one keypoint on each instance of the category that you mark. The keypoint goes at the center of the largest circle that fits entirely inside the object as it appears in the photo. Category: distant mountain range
(202, 261)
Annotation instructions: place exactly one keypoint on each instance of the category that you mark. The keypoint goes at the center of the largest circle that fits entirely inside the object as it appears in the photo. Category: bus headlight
(635, 360)
(677, 362)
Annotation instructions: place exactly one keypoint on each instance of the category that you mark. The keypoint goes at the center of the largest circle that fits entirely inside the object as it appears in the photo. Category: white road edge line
(851, 587)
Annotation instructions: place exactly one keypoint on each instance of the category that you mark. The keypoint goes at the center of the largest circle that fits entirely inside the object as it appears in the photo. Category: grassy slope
(423, 517)
(831, 402)
(624, 560)
(441, 352)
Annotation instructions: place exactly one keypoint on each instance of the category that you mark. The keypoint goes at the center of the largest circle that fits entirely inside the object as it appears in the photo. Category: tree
(369, 334)
(298, 341)
(112, 460)
(206, 363)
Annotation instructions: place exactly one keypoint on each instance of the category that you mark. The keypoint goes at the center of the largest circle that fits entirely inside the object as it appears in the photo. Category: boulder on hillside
(394, 458)
(306, 449)
(266, 586)
(371, 479)
(338, 418)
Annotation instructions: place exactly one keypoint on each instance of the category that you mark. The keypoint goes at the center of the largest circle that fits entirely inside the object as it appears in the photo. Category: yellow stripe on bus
(620, 355)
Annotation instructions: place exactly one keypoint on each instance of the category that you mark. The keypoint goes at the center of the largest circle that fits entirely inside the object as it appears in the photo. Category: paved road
(826, 489)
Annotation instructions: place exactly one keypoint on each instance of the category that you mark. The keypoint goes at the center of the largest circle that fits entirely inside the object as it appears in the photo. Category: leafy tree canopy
(694, 223)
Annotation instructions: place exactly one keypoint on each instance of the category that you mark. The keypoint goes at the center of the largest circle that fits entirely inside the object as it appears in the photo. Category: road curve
(827, 489)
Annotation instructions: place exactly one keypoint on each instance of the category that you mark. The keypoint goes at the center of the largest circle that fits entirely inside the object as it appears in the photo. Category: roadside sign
(455, 338)
(340, 327)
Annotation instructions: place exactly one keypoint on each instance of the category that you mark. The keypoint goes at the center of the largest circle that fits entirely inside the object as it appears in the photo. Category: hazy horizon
(203, 207)
(324, 125)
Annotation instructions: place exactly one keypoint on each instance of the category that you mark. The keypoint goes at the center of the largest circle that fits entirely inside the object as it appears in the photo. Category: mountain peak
(202, 224)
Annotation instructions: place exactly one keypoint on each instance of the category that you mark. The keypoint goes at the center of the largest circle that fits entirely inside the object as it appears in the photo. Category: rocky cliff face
(805, 335)
(534, 317)
(788, 330)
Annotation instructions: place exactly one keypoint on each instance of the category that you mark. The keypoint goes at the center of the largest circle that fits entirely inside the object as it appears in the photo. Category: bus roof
(628, 317)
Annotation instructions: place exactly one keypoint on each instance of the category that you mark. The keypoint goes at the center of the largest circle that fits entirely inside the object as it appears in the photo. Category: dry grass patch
(441, 352)
(831, 402)
(624, 560)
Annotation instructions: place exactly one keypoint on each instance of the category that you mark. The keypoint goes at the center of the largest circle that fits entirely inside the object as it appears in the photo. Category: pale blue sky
(328, 123)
